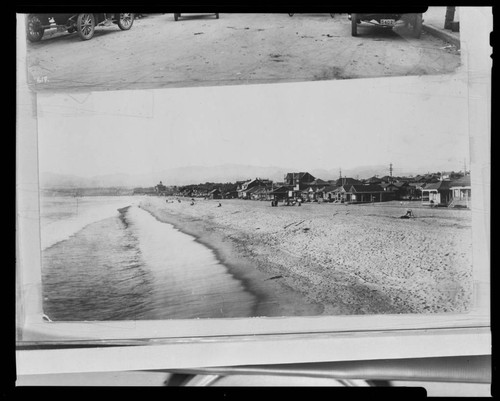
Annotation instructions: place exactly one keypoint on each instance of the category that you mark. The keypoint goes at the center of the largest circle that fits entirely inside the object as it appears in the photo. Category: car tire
(217, 15)
(354, 25)
(125, 21)
(290, 14)
(85, 26)
(34, 29)
(417, 26)
(176, 17)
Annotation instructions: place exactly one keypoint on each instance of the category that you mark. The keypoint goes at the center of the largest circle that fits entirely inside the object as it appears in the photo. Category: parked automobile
(178, 15)
(411, 20)
(83, 24)
(331, 15)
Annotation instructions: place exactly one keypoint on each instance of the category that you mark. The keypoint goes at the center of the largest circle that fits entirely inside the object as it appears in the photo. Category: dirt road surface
(158, 52)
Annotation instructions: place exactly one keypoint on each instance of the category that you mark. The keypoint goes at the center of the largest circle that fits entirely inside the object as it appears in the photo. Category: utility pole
(390, 171)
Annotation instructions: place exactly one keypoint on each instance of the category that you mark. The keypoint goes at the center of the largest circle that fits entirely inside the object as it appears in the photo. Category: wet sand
(328, 259)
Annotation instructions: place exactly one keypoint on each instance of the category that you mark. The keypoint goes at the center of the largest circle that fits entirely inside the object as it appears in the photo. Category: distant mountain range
(201, 174)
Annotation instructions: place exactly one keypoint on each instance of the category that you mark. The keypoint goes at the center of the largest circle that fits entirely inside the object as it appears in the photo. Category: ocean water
(102, 263)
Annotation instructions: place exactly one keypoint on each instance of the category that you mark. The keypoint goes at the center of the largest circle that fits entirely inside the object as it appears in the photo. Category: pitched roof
(443, 185)
(461, 182)
(341, 188)
(299, 175)
(282, 190)
(318, 181)
(260, 190)
(367, 188)
(400, 184)
(329, 188)
(252, 190)
(347, 181)
(386, 184)
(373, 179)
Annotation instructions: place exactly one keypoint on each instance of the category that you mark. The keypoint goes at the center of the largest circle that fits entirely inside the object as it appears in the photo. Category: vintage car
(413, 21)
(83, 24)
(179, 15)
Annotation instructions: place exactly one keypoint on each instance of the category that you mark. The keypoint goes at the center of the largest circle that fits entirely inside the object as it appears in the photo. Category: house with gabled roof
(243, 189)
(368, 193)
(373, 180)
(327, 192)
(437, 193)
(284, 192)
(299, 180)
(461, 192)
(339, 194)
(388, 186)
(347, 181)
(215, 194)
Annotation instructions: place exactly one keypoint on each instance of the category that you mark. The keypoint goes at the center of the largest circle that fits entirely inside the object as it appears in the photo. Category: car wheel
(125, 21)
(417, 26)
(354, 25)
(34, 29)
(176, 17)
(85, 25)
(290, 14)
(217, 15)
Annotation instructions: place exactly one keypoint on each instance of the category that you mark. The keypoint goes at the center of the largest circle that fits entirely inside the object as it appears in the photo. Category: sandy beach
(332, 259)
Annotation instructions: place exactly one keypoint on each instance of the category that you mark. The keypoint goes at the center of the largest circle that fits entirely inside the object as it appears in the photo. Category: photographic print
(168, 190)
(272, 201)
(224, 189)
(82, 52)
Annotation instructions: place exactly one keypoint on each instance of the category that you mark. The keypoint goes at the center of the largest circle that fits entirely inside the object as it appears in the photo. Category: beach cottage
(388, 187)
(215, 194)
(341, 194)
(299, 181)
(461, 192)
(244, 190)
(404, 190)
(347, 181)
(369, 193)
(437, 193)
(328, 193)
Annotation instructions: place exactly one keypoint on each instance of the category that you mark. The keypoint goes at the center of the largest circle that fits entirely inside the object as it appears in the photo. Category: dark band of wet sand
(334, 259)
(274, 299)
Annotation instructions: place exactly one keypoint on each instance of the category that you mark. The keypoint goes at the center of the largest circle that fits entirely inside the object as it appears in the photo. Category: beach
(334, 259)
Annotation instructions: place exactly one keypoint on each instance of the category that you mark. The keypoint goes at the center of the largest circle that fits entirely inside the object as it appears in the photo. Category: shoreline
(272, 299)
(333, 260)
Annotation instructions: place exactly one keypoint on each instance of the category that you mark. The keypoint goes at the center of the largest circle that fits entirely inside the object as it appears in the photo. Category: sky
(416, 123)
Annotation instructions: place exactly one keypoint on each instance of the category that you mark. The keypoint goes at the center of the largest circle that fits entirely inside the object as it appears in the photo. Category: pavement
(433, 23)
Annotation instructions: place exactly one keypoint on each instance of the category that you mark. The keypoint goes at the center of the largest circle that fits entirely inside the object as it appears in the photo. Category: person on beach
(219, 205)
(409, 214)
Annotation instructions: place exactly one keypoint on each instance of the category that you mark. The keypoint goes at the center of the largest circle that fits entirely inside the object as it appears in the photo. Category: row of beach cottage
(432, 189)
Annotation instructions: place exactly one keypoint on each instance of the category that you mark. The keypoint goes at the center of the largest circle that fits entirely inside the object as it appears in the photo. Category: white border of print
(226, 342)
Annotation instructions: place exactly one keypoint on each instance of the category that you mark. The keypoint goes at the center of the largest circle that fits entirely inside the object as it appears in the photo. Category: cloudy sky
(417, 123)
